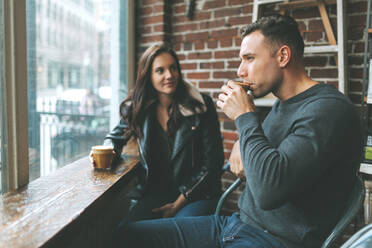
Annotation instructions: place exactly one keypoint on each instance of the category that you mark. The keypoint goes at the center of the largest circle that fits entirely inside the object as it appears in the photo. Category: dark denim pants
(194, 232)
(143, 209)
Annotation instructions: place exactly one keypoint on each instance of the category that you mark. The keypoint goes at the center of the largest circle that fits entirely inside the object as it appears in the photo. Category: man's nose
(242, 72)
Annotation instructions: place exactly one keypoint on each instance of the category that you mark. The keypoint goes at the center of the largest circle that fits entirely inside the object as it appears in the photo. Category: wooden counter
(61, 209)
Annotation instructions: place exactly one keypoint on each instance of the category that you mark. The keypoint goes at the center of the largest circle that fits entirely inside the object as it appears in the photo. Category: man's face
(258, 67)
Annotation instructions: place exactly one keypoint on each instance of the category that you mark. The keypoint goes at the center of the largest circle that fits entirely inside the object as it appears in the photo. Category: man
(300, 164)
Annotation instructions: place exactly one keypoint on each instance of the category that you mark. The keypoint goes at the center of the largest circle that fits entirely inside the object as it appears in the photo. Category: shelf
(264, 102)
(321, 49)
(267, 101)
(261, 2)
(336, 46)
(302, 4)
(366, 168)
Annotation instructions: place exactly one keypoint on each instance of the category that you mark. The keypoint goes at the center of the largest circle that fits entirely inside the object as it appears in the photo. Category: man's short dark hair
(278, 30)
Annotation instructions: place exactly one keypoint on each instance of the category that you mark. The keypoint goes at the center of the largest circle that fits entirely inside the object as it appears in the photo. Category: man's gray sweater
(300, 165)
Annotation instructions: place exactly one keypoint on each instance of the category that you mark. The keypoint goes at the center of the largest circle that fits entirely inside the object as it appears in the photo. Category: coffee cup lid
(102, 147)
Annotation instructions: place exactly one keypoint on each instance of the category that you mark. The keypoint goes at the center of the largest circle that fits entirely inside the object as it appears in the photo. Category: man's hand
(236, 164)
(234, 101)
(169, 210)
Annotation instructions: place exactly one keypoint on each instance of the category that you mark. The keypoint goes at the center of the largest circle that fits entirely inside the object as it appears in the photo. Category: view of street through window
(69, 81)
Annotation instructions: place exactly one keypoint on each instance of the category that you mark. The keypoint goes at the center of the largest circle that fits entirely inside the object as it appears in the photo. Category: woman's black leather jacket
(197, 155)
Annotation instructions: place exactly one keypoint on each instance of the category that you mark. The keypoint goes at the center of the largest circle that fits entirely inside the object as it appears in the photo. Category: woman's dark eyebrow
(161, 67)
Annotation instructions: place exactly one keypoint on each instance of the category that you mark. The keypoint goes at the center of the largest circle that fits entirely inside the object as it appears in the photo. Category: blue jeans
(203, 231)
(198, 208)
(143, 209)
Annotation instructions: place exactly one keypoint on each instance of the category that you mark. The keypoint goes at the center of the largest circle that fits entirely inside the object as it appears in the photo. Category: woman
(178, 137)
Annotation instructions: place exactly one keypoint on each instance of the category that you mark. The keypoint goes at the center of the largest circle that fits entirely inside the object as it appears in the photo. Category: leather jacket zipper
(192, 148)
(196, 184)
(144, 159)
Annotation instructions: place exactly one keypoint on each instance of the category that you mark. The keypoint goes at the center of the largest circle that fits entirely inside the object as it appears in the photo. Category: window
(48, 8)
(73, 92)
(71, 115)
(3, 169)
(52, 79)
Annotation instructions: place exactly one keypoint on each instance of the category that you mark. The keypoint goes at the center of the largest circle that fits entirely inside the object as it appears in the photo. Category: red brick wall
(208, 45)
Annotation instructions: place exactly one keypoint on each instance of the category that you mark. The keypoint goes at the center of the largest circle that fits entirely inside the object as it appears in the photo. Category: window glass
(72, 50)
(3, 169)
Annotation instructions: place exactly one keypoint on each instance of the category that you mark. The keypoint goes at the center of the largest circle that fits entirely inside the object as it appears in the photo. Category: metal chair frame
(362, 238)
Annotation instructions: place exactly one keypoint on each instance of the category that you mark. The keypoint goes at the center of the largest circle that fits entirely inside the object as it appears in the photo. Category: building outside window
(74, 77)
(74, 84)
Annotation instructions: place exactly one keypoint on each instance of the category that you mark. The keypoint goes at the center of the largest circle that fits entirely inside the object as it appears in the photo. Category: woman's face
(164, 74)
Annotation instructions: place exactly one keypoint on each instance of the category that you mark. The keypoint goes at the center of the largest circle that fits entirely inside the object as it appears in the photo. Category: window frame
(16, 85)
(16, 91)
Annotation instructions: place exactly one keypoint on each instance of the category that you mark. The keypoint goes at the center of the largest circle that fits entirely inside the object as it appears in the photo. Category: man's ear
(284, 55)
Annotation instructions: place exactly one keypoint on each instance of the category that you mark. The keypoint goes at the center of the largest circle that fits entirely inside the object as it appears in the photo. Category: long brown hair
(143, 96)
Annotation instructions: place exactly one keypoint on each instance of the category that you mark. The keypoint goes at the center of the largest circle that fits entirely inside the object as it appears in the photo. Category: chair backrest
(354, 204)
(230, 189)
(361, 239)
